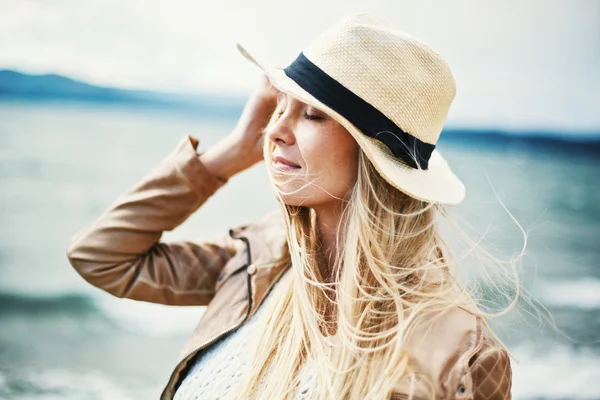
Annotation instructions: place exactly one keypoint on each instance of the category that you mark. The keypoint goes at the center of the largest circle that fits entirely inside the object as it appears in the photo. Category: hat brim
(437, 184)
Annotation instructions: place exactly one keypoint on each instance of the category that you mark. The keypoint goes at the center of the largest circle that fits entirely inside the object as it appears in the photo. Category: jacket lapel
(268, 255)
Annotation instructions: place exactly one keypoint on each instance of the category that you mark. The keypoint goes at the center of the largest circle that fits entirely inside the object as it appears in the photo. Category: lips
(284, 161)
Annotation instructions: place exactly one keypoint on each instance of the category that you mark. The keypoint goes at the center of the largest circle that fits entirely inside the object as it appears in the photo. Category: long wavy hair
(392, 268)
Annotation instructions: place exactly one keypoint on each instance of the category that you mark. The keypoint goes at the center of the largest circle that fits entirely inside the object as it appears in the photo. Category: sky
(519, 64)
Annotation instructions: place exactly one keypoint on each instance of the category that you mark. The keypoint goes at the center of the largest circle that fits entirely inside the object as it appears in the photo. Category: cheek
(333, 157)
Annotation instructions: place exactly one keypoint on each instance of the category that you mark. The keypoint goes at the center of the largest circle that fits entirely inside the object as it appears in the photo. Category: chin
(290, 200)
(295, 199)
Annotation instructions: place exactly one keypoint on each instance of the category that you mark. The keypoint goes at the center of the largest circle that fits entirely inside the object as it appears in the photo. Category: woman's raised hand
(254, 118)
(243, 147)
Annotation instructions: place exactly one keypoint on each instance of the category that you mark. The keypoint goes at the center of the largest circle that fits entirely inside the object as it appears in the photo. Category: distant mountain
(51, 87)
(24, 87)
(534, 141)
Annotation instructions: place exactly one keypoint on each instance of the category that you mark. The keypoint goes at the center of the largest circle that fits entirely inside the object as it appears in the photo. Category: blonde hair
(393, 267)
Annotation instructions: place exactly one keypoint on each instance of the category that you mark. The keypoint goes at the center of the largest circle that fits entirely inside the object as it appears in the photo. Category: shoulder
(462, 361)
(271, 222)
(266, 237)
(271, 227)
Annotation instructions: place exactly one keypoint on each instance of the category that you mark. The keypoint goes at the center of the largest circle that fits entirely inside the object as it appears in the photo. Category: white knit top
(220, 368)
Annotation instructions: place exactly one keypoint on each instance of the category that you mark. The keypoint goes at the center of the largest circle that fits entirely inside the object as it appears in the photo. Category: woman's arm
(121, 251)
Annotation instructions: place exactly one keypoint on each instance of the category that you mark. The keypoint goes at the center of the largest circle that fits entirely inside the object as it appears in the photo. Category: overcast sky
(532, 64)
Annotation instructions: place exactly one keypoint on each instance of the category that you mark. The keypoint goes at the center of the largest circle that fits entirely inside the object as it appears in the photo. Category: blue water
(60, 166)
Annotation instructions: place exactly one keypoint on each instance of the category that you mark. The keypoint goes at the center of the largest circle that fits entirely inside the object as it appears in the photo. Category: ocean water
(61, 165)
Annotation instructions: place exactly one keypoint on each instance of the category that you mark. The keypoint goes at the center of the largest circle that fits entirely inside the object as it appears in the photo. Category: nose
(280, 132)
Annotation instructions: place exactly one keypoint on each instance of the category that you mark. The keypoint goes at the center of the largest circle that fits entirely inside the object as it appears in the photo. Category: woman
(347, 290)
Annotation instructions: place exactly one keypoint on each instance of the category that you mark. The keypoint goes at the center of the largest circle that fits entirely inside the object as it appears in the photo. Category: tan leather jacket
(121, 253)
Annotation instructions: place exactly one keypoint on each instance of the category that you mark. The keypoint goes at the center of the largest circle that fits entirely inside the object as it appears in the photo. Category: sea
(62, 164)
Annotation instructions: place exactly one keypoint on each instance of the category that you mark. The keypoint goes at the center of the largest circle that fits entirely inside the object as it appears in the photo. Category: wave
(155, 320)
(504, 140)
(555, 372)
(70, 385)
(580, 293)
(24, 304)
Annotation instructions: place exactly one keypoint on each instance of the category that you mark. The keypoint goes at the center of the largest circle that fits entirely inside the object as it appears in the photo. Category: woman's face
(324, 156)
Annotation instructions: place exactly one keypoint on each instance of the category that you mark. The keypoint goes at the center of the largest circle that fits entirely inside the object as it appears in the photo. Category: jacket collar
(265, 239)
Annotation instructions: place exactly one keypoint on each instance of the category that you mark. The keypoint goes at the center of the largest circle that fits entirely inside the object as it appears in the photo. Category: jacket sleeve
(491, 372)
(121, 251)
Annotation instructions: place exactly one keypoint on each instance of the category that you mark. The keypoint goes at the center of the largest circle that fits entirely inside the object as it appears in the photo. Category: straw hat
(392, 93)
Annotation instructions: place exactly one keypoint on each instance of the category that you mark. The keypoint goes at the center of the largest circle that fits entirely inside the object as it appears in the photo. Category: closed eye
(313, 117)
(310, 117)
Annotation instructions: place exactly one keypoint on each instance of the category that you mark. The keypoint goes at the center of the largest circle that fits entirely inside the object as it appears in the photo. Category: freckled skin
(322, 147)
